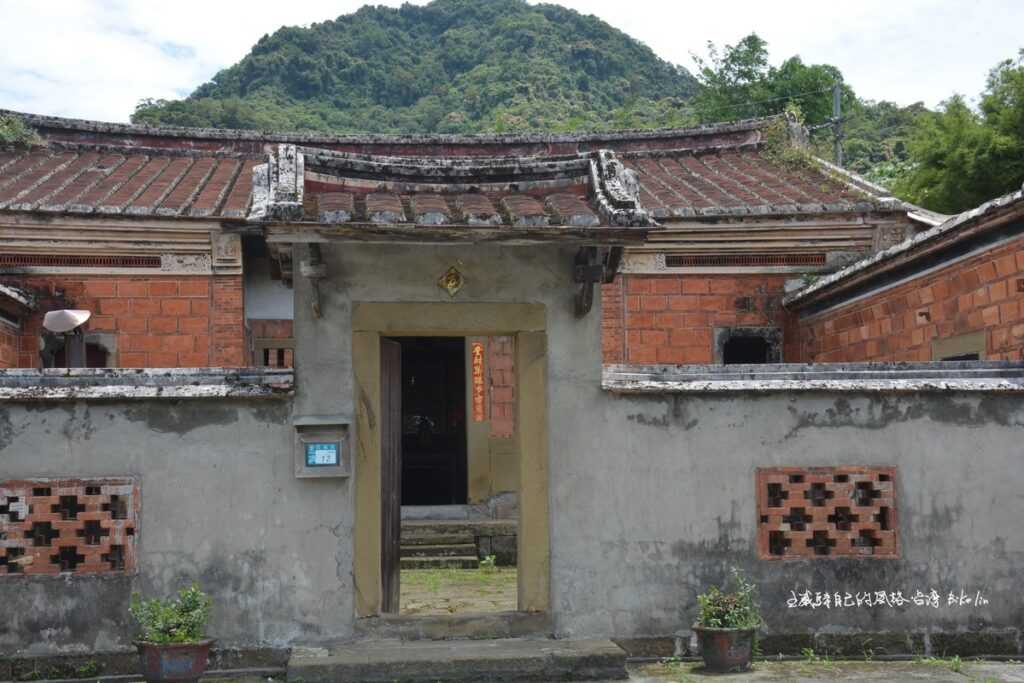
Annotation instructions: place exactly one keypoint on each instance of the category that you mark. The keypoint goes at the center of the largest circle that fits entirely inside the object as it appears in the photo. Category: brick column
(613, 314)
(227, 322)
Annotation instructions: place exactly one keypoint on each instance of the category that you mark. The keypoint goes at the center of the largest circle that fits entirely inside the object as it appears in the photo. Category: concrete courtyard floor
(806, 671)
(933, 670)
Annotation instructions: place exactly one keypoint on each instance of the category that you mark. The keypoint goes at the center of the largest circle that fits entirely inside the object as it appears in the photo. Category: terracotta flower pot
(174, 662)
(726, 649)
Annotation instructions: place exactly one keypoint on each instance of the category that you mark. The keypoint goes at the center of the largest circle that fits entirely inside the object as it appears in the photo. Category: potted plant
(727, 625)
(173, 648)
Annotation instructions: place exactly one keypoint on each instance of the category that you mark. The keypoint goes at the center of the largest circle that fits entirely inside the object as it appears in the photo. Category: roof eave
(965, 225)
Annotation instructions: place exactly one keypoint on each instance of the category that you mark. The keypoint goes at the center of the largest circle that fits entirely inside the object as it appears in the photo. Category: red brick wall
(671, 318)
(180, 321)
(985, 292)
(8, 346)
(272, 329)
(502, 372)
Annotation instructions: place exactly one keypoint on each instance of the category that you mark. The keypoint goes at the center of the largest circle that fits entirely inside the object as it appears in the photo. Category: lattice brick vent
(76, 526)
(808, 512)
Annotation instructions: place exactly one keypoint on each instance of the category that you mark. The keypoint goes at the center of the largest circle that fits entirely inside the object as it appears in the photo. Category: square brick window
(822, 512)
(68, 526)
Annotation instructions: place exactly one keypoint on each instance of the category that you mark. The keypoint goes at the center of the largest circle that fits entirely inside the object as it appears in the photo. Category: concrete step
(451, 562)
(444, 550)
(436, 539)
(465, 661)
(475, 626)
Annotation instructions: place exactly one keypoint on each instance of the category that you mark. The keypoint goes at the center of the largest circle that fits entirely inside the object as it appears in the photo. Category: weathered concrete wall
(220, 505)
(651, 498)
(654, 499)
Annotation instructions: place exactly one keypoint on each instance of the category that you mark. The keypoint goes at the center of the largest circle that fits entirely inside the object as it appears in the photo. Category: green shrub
(738, 609)
(14, 131)
(179, 620)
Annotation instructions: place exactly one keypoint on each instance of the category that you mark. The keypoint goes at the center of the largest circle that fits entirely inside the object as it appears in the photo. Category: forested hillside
(469, 66)
(450, 66)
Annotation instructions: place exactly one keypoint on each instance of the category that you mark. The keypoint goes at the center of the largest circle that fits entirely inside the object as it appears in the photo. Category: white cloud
(97, 58)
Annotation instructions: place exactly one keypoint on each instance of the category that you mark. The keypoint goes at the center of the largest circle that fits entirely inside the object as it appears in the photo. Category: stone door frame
(527, 324)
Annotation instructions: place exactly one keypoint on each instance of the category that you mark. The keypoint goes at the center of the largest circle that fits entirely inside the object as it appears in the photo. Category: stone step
(444, 550)
(452, 562)
(436, 539)
(475, 626)
(511, 660)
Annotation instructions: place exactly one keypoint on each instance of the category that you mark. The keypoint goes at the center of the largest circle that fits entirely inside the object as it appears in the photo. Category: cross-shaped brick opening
(843, 518)
(42, 533)
(818, 494)
(68, 558)
(882, 518)
(821, 543)
(115, 557)
(8, 560)
(93, 532)
(866, 539)
(776, 494)
(117, 507)
(865, 493)
(797, 519)
(68, 507)
(777, 542)
(7, 508)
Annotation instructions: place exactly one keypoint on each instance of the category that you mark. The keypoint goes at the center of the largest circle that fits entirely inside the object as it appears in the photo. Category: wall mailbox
(322, 446)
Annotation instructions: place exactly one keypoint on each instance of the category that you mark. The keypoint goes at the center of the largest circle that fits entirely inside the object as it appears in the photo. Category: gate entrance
(419, 444)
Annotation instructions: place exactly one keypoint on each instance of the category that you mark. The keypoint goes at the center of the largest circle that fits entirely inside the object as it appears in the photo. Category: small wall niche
(322, 448)
(747, 345)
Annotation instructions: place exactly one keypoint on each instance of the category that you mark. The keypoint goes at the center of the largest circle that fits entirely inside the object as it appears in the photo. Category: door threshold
(479, 625)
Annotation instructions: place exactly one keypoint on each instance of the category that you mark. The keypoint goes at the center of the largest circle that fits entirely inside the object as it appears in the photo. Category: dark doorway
(433, 420)
(740, 350)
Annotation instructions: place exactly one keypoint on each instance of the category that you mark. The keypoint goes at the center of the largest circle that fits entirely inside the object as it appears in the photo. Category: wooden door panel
(391, 473)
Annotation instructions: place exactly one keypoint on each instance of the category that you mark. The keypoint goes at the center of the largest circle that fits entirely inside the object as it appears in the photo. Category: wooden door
(391, 473)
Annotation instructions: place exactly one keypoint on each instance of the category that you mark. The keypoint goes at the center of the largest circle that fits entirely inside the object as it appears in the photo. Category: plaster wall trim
(100, 384)
(884, 378)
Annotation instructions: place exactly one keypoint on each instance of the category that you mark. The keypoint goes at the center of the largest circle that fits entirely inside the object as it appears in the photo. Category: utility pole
(837, 121)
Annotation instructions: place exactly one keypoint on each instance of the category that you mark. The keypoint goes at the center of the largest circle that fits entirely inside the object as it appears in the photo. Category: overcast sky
(96, 58)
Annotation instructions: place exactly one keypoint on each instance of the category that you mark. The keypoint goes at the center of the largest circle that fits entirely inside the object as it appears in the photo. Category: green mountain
(450, 66)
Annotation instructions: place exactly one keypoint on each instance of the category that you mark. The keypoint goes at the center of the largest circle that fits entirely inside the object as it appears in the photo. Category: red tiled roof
(706, 172)
(136, 182)
(740, 181)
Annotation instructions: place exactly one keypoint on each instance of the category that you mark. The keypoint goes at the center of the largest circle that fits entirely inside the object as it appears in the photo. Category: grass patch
(440, 591)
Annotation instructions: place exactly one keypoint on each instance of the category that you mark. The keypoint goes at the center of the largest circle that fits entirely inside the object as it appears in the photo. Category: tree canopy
(961, 156)
(450, 66)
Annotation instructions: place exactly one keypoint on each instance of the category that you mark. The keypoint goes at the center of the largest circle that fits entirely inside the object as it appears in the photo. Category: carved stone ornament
(451, 281)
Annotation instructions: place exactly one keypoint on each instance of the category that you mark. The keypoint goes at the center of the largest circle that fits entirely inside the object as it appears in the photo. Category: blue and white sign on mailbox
(322, 454)
(322, 447)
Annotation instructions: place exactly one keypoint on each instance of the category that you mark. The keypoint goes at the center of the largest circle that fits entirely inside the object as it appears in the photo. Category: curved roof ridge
(56, 122)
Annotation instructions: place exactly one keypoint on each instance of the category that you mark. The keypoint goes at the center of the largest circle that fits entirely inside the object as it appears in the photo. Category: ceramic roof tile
(572, 210)
(478, 209)
(187, 188)
(525, 211)
(384, 207)
(55, 182)
(430, 209)
(34, 174)
(216, 188)
(335, 207)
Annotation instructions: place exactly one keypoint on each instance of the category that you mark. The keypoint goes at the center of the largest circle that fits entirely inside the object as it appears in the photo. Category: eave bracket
(593, 266)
